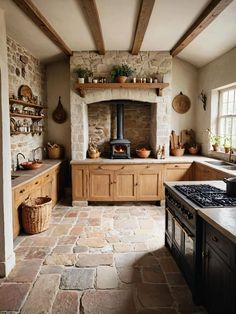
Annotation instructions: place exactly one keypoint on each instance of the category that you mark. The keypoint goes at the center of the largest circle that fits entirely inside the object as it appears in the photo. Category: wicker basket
(55, 152)
(36, 214)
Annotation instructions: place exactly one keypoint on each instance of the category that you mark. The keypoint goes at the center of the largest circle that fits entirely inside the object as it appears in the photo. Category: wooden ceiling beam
(92, 17)
(145, 12)
(37, 17)
(214, 8)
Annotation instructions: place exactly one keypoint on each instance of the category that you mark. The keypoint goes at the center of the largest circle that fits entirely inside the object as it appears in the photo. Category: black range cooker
(183, 230)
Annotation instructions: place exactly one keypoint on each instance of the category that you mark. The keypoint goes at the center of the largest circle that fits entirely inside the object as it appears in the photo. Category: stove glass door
(169, 223)
(188, 248)
(177, 234)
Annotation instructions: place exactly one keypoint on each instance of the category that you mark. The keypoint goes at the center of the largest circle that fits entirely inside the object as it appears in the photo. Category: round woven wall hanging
(181, 103)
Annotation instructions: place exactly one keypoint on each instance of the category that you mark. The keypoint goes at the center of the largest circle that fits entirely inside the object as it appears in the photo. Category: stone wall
(156, 64)
(33, 75)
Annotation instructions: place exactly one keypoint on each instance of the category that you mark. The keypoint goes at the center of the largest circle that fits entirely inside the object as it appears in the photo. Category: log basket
(36, 213)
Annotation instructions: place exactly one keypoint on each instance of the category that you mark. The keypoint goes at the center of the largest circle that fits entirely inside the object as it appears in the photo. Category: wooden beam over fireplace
(37, 17)
(145, 12)
(208, 15)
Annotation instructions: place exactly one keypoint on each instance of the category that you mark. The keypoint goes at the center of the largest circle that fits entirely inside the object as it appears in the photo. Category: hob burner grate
(206, 195)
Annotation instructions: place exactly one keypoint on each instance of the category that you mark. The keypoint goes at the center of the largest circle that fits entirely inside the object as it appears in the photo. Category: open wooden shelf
(22, 115)
(25, 104)
(86, 86)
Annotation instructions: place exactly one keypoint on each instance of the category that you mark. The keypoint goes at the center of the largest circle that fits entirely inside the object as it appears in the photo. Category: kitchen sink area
(221, 164)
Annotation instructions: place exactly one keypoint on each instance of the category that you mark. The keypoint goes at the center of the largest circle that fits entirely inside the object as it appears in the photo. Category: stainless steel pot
(230, 186)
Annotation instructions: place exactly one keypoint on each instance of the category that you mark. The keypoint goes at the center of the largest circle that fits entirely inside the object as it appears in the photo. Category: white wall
(184, 79)
(218, 73)
(7, 257)
(58, 84)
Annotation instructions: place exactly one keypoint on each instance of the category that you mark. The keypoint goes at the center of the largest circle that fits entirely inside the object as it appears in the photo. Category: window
(227, 116)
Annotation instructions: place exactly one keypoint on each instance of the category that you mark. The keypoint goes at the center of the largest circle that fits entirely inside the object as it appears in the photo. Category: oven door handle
(189, 234)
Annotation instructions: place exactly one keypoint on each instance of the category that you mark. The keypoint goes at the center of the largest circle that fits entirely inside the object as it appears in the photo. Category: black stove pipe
(120, 120)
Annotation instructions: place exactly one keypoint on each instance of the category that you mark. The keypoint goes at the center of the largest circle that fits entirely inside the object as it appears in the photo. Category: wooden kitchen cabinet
(117, 182)
(219, 272)
(101, 185)
(43, 185)
(149, 183)
(112, 183)
(79, 179)
(203, 172)
(178, 172)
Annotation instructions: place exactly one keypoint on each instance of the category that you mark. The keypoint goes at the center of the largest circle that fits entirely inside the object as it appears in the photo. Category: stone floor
(97, 260)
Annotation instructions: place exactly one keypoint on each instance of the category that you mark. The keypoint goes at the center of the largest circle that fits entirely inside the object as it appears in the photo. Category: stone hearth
(146, 64)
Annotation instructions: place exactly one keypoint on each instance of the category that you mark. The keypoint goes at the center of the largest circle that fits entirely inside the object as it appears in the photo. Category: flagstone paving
(97, 260)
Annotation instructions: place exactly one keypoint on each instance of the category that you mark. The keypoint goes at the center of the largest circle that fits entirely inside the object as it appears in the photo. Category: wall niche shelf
(25, 103)
(87, 86)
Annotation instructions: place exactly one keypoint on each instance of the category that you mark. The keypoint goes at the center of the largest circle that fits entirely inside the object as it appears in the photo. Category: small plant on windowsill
(227, 144)
(215, 140)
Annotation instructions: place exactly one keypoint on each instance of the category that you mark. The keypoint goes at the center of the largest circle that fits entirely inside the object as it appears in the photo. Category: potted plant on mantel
(82, 73)
(120, 73)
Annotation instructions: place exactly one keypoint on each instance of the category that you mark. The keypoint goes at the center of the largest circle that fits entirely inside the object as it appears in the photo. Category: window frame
(221, 116)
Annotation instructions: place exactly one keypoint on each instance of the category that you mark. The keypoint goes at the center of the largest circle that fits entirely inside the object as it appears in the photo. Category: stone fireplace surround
(146, 64)
(160, 116)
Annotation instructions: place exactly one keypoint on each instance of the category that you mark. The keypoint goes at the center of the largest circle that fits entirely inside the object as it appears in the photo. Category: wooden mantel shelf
(86, 86)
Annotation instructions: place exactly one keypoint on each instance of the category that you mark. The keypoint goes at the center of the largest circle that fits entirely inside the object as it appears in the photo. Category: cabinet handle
(47, 175)
(111, 183)
(22, 191)
(215, 239)
(205, 254)
(136, 184)
(36, 182)
(176, 166)
(147, 166)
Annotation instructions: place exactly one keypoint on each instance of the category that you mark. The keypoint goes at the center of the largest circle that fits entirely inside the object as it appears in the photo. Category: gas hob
(205, 195)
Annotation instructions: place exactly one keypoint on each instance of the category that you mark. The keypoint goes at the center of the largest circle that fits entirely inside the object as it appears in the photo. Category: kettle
(230, 186)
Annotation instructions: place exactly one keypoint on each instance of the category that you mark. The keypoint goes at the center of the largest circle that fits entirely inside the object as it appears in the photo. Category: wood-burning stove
(120, 147)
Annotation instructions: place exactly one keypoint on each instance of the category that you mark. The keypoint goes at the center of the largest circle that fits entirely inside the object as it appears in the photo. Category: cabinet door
(19, 195)
(178, 172)
(219, 284)
(79, 182)
(125, 185)
(101, 185)
(55, 186)
(149, 183)
(47, 185)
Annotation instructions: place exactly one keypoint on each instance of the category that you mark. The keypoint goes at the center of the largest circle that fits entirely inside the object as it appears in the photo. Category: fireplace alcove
(137, 128)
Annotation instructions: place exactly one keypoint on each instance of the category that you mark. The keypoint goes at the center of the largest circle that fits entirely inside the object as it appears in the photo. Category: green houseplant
(215, 140)
(82, 73)
(119, 73)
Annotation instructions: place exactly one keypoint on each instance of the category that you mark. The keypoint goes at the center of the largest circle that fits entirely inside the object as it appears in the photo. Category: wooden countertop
(23, 176)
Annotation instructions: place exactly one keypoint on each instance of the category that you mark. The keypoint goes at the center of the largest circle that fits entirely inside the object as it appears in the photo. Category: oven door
(184, 242)
(189, 248)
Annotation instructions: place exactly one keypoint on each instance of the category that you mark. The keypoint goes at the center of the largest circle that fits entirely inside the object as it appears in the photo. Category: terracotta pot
(177, 151)
(121, 79)
(143, 153)
(193, 150)
(216, 147)
(227, 149)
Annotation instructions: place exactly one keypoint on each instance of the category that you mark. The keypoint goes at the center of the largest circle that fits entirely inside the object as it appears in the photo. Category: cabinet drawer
(27, 187)
(178, 166)
(224, 247)
(150, 167)
(111, 167)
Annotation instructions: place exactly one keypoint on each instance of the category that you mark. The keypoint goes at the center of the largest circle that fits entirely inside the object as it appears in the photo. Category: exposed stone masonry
(35, 78)
(137, 126)
(146, 64)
